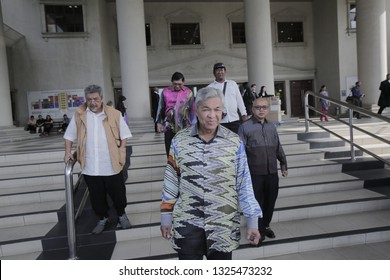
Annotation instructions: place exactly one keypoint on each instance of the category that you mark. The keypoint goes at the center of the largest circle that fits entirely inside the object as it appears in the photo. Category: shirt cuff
(166, 219)
(252, 222)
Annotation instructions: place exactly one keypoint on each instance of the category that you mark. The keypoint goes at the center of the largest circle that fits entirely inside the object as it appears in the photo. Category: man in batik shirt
(206, 181)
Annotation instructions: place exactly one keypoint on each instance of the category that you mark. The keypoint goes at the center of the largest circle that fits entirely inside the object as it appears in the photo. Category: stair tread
(311, 229)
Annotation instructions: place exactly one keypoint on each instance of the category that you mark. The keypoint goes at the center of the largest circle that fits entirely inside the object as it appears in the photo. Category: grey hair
(206, 93)
(92, 89)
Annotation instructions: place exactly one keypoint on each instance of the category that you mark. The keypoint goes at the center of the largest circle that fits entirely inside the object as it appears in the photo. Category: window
(351, 16)
(238, 33)
(290, 32)
(288, 28)
(185, 34)
(148, 35)
(64, 18)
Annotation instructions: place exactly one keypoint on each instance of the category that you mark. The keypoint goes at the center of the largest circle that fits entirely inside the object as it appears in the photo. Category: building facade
(51, 49)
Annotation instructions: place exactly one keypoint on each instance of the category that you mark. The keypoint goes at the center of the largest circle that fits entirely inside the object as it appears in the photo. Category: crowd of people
(224, 157)
(222, 160)
(42, 126)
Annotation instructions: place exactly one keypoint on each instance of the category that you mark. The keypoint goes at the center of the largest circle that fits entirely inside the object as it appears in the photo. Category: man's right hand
(166, 232)
(160, 127)
(68, 156)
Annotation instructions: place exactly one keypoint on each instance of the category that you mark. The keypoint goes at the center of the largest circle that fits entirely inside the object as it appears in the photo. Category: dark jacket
(120, 106)
(262, 147)
(384, 98)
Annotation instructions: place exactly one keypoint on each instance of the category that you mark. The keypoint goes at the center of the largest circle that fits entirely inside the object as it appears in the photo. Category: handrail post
(306, 112)
(353, 158)
(70, 218)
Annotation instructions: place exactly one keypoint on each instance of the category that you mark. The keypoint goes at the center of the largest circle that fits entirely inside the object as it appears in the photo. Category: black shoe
(269, 233)
(262, 237)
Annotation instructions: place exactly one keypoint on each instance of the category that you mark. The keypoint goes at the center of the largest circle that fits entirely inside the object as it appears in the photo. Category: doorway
(297, 90)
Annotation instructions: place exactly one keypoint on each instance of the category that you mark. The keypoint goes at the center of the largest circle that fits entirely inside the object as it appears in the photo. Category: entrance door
(298, 89)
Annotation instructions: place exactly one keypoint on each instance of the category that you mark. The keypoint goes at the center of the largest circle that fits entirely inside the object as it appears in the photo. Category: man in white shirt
(234, 105)
(101, 134)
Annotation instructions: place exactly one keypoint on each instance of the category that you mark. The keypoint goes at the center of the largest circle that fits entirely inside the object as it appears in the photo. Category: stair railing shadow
(339, 117)
(71, 216)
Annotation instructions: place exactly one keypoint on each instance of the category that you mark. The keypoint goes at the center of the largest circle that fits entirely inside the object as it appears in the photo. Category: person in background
(40, 125)
(65, 123)
(32, 124)
(357, 98)
(122, 107)
(101, 135)
(176, 109)
(254, 93)
(48, 125)
(263, 150)
(206, 185)
(263, 92)
(324, 103)
(248, 97)
(384, 98)
(155, 98)
(234, 105)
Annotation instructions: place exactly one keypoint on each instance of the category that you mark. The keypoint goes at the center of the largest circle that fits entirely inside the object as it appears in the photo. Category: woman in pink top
(176, 109)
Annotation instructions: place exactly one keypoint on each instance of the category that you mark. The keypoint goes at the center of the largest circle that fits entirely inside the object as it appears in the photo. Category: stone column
(371, 46)
(5, 93)
(259, 44)
(133, 58)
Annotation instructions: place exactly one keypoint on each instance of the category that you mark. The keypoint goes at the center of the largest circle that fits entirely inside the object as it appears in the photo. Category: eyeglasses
(261, 107)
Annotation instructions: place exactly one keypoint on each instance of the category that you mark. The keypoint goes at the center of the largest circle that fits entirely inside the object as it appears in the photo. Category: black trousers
(357, 102)
(168, 136)
(196, 247)
(215, 255)
(266, 189)
(381, 108)
(233, 126)
(100, 186)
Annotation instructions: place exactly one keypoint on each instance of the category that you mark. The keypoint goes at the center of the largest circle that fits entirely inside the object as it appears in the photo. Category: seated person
(40, 124)
(48, 125)
(32, 124)
(65, 123)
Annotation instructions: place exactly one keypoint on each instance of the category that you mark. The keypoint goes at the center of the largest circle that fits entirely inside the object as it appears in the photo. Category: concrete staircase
(323, 203)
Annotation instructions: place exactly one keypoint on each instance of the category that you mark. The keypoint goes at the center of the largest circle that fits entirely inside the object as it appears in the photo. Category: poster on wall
(55, 103)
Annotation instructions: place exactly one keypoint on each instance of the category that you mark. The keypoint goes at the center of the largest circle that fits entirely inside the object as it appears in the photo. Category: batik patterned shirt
(205, 185)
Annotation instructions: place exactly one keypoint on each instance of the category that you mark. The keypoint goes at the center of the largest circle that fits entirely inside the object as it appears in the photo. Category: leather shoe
(269, 233)
(261, 239)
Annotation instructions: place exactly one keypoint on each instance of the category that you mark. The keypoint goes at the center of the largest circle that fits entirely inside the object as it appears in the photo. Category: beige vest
(111, 127)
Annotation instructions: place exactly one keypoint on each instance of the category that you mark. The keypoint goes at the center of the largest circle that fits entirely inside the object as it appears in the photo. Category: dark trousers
(357, 102)
(233, 126)
(266, 189)
(168, 136)
(125, 170)
(100, 186)
(215, 255)
(381, 108)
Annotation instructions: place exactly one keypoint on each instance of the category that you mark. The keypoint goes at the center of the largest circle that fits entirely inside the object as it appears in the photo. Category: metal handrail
(71, 217)
(351, 108)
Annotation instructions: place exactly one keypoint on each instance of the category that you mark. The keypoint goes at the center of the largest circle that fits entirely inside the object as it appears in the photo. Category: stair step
(291, 237)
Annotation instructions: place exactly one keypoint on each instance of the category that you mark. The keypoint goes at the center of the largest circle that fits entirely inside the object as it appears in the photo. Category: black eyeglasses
(261, 107)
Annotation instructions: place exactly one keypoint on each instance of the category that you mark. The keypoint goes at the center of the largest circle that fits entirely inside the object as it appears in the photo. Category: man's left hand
(245, 117)
(253, 236)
